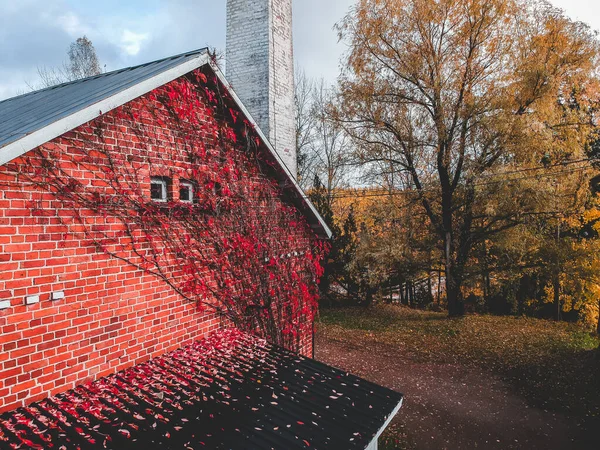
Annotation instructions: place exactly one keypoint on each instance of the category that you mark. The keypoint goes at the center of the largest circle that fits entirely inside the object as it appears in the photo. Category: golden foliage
(487, 107)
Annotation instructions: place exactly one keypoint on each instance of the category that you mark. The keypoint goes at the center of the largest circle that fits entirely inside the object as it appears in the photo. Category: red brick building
(140, 211)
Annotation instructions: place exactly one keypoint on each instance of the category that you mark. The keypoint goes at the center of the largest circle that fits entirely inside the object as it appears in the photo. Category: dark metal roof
(230, 391)
(22, 115)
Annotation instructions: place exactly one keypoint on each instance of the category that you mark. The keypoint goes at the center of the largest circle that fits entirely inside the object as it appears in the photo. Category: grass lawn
(550, 365)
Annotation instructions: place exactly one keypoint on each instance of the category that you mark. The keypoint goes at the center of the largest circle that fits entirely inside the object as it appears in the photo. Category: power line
(485, 183)
(536, 177)
(531, 169)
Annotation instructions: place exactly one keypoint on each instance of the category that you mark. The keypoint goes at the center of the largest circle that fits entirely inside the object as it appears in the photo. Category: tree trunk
(369, 296)
(485, 276)
(429, 287)
(598, 331)
(598, 327)
(524, 287)
(324, 285)
(556, 275)
(439, 287)
(484, 285)
(456, 306)
(556, 287)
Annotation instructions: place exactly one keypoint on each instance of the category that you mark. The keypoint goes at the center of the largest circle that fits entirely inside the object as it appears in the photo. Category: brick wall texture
(112, 315)
(260, 67)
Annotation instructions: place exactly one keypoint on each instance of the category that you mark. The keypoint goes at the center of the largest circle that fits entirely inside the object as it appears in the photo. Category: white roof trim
(64, 125)
(373, 443)
(286, 170)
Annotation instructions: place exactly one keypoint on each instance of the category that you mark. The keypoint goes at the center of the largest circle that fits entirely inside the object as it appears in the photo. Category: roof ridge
(105, 74)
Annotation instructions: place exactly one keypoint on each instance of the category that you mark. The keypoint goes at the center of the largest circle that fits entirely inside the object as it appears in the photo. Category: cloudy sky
(37, 33)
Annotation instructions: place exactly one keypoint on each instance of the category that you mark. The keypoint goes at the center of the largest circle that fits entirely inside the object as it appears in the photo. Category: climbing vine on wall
(240, 248)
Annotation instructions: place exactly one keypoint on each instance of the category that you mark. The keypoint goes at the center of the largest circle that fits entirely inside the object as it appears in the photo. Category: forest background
(457, 159)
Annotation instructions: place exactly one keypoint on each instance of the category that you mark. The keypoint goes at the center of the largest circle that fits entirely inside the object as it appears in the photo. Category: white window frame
(164, 189)
(190, 186)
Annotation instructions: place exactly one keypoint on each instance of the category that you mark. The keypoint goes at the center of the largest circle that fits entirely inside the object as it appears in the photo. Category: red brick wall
(112, 315)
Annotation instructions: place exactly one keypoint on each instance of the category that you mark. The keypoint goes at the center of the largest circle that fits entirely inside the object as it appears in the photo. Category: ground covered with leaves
(472, 382)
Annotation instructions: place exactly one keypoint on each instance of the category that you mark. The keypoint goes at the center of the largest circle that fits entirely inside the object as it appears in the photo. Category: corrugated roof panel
(22, 115)
(230, 391)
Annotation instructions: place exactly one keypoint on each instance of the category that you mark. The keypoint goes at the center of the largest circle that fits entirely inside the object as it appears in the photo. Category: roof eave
(326, 232)
(375, 439)
(66, 124)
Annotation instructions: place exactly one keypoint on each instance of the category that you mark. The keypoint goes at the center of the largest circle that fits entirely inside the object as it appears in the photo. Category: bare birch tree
(83, 63)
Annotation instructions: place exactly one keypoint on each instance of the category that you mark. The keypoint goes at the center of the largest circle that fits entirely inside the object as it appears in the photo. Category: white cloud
(72, 24)
(131, 43)
(585, 10)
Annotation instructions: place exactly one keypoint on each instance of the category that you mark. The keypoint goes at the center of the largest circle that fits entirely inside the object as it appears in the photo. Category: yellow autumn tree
(460, 95)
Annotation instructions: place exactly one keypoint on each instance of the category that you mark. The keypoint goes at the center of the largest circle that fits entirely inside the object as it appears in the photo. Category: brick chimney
(260, 67)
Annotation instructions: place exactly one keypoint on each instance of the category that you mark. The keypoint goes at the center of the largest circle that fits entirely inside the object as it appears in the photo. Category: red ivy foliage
(240, 248)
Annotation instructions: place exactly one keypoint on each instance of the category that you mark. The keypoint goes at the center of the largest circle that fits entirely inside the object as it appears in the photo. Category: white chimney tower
(260, 67)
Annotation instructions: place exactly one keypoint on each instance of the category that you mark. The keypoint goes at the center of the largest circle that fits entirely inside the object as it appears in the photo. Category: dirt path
(452, 407)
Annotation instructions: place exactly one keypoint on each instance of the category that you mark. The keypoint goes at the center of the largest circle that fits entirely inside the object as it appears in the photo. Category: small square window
(159, 189)
(186, 191)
